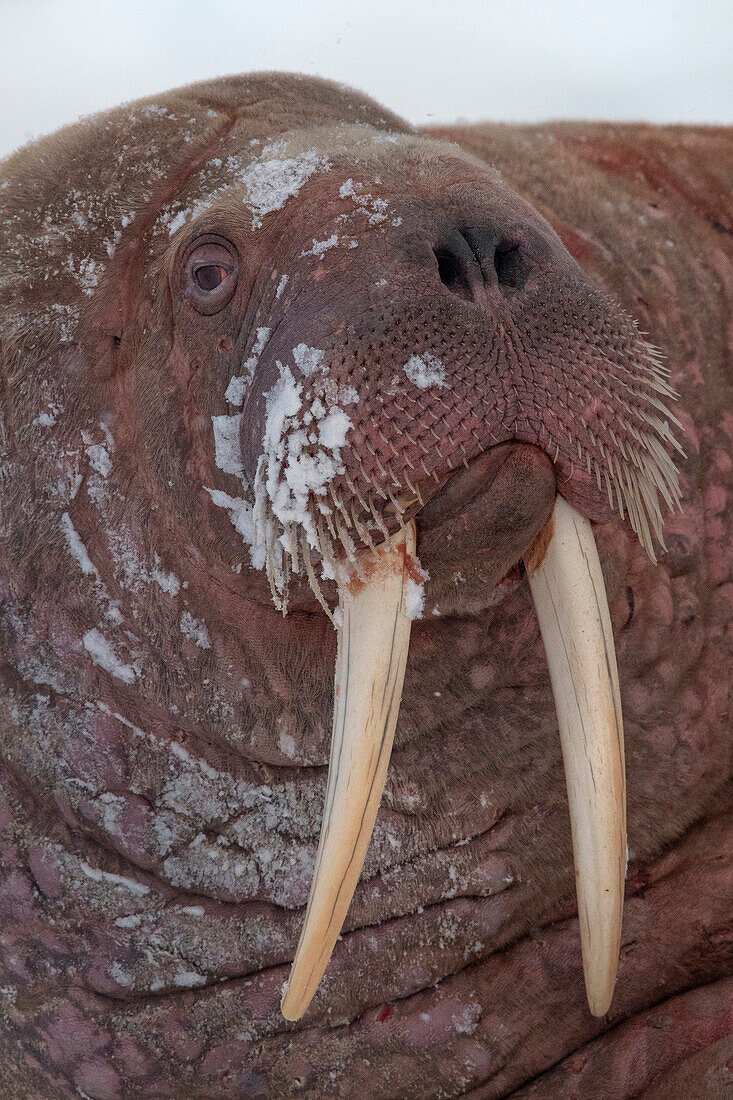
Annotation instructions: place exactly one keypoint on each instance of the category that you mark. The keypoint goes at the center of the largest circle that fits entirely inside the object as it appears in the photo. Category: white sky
(429, 60)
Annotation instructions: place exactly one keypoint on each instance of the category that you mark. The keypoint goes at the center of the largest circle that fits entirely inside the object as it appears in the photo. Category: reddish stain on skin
(536, 554)
(577, 1065)
(384, 1014)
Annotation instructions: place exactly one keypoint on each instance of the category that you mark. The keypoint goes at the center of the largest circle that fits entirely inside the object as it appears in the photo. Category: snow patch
(414, 599)
(374, 208)
(282, 405)
(99, 453)
(308, 360)
(296, 465)
(99, 459)
(66, 317)
(425, 370)
(195, 630)
(169, 582)
(467, 1018)
(306, 429)
(237, 388)
(97, 875)
(189, 979)
(273, 178)
(287, 744)
(77, 549)
(227, 445)
(241, 517)
(183, 754)
(333, 428)
(132, 921)
(268, 182)
(319, 247)
(87, 274)
(103, 655)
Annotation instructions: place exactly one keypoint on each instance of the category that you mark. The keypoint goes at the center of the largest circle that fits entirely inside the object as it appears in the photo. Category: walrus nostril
(453, 271)
(503, 261)
(511, 270)
(474, 257)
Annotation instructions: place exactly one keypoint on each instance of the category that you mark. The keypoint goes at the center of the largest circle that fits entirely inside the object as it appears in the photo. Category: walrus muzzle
(373, 638)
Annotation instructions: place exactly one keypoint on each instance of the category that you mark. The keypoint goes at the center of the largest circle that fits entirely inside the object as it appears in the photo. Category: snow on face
(268, 182)
(237, 388)
(374, 208)
(226, 442)
(273, 178)
(319, 247)
(301, 445)
(425, 370)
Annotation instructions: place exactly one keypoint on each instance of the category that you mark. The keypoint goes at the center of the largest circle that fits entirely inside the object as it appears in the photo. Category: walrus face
(422, 364)
(418, 316)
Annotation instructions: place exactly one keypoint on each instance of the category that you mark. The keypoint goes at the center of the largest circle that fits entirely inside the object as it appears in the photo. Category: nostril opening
(509, 264)
(452, 272)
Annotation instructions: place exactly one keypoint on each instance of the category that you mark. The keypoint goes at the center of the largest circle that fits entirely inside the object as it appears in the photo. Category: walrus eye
(211, 275)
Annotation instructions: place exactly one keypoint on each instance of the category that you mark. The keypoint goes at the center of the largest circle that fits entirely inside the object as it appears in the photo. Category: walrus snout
(455, 322)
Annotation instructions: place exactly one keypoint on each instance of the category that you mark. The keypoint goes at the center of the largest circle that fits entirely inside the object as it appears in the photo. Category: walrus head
(416, 315)
(348, 345)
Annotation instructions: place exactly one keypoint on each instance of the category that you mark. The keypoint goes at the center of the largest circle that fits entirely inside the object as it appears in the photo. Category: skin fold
(164, 730)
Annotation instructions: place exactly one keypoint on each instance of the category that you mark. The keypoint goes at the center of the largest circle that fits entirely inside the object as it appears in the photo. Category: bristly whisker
(613, 427)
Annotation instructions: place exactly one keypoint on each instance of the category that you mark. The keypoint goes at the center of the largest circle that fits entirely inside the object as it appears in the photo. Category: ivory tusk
(570, 598)
(373, 640)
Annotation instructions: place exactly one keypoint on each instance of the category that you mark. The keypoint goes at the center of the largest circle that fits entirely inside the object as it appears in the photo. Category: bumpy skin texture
(162, 792)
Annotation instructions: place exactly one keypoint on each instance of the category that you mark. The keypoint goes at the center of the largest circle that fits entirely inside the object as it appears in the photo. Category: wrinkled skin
(162, 793)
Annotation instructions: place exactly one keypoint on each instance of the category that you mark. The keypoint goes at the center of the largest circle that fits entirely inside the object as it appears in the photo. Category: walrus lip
(483, 475)
(373, 638)
(484, 518)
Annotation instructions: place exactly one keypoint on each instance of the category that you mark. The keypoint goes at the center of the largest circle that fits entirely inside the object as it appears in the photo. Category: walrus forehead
(249, 179)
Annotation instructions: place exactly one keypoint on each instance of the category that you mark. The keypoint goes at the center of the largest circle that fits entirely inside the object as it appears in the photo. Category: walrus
(289, 386)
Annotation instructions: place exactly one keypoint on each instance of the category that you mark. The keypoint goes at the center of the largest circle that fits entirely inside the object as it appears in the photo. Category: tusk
(373, 640)
(572, 608)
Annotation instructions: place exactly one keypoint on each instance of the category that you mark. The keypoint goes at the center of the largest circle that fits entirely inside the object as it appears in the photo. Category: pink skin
(159, 821)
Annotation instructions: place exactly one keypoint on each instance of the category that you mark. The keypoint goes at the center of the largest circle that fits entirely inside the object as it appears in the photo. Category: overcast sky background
(428, 60)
